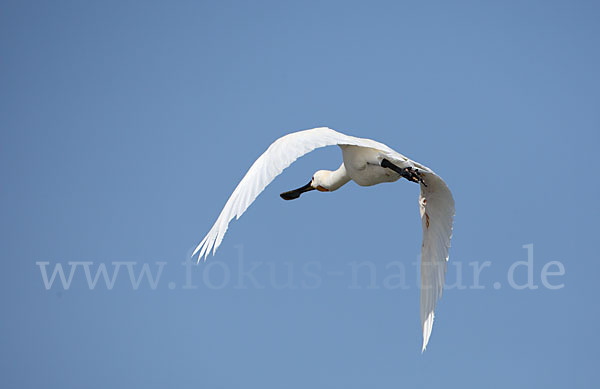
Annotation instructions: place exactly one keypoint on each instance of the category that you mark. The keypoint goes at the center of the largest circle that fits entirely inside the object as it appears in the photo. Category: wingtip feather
(427, 327)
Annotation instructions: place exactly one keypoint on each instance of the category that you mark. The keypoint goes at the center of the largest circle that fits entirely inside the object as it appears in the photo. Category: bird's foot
(411, 174)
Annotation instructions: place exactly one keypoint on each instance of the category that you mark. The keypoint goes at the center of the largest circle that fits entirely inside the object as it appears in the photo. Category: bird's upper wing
(437, 212)
(269, 165)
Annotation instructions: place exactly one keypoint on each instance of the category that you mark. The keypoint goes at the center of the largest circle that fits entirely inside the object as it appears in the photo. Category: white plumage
(362, 163)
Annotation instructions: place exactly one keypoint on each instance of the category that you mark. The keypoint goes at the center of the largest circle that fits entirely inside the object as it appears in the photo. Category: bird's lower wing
(437, 213)
(269, 165)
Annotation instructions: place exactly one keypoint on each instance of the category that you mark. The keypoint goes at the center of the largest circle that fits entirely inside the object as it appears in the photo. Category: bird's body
(367, 163)
(363, 166)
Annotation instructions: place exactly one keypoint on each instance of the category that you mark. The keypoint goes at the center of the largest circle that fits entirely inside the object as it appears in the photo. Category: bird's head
(321, 181)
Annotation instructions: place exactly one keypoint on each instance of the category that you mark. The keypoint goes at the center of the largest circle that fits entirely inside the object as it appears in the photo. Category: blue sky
(126, 125)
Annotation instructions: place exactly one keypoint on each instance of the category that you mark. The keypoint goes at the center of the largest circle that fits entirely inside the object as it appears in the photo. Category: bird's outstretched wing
(269, 165)
(437, 212)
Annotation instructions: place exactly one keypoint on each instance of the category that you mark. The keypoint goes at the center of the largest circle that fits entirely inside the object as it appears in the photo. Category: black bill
(294, 194)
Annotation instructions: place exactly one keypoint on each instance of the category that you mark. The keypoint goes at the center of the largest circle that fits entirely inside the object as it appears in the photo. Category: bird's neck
(337, 178)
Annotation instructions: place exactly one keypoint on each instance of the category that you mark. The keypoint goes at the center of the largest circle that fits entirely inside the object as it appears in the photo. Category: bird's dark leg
(408, 172)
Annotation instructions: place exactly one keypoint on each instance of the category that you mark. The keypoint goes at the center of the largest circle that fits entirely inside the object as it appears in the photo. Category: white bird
(367, 163)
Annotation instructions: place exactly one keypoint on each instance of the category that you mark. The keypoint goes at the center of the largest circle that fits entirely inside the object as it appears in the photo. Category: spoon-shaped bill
(294, 194)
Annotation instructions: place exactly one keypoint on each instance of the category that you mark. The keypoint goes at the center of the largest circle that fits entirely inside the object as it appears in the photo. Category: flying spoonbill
(367, 163)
